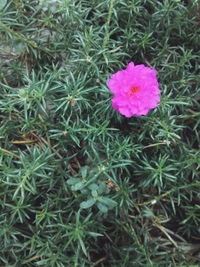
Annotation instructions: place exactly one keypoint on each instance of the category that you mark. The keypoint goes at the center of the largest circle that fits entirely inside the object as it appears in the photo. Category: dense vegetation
(81, 185)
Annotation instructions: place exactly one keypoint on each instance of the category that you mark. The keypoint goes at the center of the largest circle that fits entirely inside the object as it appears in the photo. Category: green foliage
(90, 185)
(82, 185)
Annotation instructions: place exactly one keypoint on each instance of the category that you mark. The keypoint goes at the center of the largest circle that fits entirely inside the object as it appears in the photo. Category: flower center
(134, 89)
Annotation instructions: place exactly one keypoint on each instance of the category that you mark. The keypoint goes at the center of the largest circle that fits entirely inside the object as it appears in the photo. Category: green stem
(107, 35)
(24, 39)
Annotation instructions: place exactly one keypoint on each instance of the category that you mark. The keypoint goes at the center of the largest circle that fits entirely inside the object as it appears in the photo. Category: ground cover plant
(81, 184)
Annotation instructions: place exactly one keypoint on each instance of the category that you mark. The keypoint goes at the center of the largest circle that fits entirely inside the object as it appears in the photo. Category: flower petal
(131, 102)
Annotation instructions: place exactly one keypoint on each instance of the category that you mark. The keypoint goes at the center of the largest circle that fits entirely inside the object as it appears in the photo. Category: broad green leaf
(94, 193)
(108, 202)
(73, 181)
(93, 187)
(78, 186)
(102, 188)
(84, 171)
(102, 207)
(88, 203)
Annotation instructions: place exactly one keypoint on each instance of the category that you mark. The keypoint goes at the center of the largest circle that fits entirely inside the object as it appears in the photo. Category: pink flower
(135, 90)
